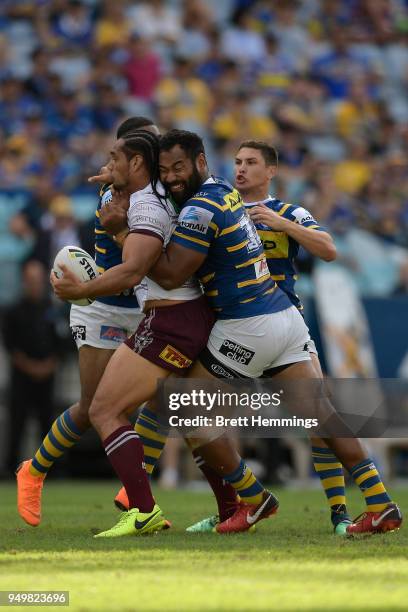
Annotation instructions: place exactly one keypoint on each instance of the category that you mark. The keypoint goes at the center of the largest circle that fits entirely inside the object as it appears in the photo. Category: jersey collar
(268, 199)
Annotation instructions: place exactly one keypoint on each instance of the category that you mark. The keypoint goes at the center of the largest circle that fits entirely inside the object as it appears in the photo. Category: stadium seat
(84, 206)
(10, 204)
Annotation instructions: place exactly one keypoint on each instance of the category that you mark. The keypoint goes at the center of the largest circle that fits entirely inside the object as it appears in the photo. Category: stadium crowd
(325, 81)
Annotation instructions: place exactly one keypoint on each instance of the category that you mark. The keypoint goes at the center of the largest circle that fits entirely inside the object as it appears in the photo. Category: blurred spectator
(358, 114)
(272, 72)
(30, 338)
(107, 109)
(58, 229)
(239, 121)
(33, 212)
(15, 105)
(74, 23)
(340, 65)
(240, 42)
(354, 172)
(294, 41)
(155, 20)
(142, 67)
(113, 27)
(191, 97)
(195, 40)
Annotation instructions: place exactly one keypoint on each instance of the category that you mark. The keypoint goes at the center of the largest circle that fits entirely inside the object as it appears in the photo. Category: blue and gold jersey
(107, 255)
(235, 273)
(280, 249)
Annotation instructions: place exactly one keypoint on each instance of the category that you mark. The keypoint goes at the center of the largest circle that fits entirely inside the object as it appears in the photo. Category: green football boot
(340, 519)
(205, 526)
(135, 523)
(341, 528)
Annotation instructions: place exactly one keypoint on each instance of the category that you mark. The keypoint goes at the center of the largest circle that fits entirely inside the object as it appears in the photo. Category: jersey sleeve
(303, 217)
(148, 216)
(197, 225)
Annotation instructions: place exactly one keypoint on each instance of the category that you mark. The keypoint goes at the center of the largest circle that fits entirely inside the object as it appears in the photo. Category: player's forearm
(320, 244)
(113, 281)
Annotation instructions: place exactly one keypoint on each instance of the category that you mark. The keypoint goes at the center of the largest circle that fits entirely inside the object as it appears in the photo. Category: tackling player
(282, 228)
(214, 238)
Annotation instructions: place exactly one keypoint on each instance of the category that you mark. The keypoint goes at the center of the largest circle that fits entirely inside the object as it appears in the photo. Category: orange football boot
(29, 489)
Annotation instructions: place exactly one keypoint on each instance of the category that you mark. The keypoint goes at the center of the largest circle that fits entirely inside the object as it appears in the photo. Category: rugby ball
(80, 263)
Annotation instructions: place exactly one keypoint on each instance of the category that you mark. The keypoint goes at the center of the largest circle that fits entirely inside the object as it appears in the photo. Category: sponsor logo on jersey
(236, 352)
(302, 215)
(106, 198)
(115, 334)
(220, 371)
(78, 332)
(192, 215)
(195, 219)
(261, 268)
(174, 357)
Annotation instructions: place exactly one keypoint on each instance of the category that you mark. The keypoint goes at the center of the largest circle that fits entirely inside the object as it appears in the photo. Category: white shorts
(255, 344)
(312, 347)
(103, 326)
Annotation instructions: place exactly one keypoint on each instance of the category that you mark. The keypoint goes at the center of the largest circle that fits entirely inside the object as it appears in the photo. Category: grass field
(292, 562)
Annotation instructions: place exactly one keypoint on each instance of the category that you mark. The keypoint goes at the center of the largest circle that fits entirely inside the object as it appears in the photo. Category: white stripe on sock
(118, 443)
(118, 438)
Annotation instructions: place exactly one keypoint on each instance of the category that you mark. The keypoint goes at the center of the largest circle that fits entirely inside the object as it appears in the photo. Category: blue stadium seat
(10, 204)
(84, 206)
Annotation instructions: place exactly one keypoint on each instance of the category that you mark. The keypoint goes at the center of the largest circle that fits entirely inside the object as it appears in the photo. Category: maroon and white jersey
(149, 214)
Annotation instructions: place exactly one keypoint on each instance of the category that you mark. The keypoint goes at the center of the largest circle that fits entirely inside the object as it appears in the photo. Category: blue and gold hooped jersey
(235, 274)
(280, 249)
(107, 255)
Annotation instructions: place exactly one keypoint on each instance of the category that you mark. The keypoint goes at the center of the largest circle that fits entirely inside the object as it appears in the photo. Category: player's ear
(136, 162)
(271, 171)
(201, 162)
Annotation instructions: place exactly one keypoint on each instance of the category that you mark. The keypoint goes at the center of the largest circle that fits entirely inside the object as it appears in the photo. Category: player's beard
(190, 188)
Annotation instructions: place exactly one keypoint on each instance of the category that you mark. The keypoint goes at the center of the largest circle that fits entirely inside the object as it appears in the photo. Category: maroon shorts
(172, 337)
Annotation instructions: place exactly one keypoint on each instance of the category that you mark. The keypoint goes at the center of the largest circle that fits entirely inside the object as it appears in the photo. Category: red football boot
(247, 515)
(388, 519)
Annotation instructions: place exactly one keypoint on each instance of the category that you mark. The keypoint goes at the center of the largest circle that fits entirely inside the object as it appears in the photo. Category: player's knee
(84, 405)
(94, 410)
(79, 413)
(98, 411)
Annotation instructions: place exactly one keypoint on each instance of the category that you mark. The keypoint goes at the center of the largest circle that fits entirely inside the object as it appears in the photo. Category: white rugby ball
(80, 263)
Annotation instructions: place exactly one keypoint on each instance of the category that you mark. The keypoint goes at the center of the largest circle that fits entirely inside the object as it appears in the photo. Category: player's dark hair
(132, 124)
(190, 142)
(268, 152)
(147, 145)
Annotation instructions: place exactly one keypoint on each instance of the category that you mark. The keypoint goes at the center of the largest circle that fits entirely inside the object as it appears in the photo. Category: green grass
(293, 562)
